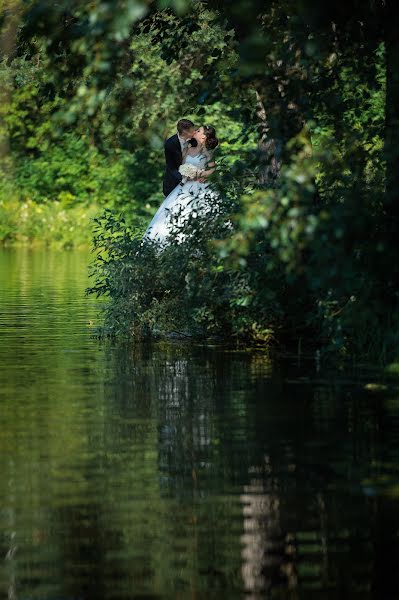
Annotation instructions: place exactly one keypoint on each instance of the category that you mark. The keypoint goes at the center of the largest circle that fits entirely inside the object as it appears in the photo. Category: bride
(192, 195)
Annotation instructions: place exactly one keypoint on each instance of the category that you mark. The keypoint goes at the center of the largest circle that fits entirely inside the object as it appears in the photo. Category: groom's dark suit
(173, 157)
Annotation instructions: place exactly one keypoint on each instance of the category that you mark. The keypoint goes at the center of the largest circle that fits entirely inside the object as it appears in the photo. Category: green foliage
(305, 111)
(163, 79)
(296, 264)
(73, 172)
(188, 287)
(58, 149)
(48, 224)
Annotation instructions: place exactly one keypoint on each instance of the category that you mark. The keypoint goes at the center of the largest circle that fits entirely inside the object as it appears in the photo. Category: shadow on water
(164, 471)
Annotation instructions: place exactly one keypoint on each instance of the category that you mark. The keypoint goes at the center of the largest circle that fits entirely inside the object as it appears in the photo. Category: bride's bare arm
(210, 169)
(203, 175)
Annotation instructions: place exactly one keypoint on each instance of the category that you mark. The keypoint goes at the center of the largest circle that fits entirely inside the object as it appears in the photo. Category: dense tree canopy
(305, 100)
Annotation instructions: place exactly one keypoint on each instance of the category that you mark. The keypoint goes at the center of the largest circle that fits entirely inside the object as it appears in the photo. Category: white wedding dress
(186, 201)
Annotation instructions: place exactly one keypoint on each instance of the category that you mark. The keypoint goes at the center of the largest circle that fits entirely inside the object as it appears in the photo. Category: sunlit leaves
(307, 206)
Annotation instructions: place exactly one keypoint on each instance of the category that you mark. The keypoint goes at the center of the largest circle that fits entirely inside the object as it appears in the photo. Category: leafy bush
(47, 224)
(187, 286)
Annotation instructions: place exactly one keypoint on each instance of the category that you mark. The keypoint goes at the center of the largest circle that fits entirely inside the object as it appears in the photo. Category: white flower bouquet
(188, 171)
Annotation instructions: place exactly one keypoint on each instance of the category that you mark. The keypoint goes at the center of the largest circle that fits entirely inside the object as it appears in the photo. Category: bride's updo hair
(211, 139)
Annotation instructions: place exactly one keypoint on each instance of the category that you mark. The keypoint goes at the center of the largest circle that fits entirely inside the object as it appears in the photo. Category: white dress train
(184, 201)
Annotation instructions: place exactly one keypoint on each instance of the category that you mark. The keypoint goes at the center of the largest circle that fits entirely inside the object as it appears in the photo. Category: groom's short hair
(184, 125)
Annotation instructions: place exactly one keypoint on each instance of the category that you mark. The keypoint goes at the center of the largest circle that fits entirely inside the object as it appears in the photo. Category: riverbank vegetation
(305, 102)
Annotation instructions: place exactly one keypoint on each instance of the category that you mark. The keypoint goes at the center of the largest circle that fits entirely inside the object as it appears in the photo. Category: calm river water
(172, 471)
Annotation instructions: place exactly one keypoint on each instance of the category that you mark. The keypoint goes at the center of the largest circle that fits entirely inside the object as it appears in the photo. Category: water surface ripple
(174, 471)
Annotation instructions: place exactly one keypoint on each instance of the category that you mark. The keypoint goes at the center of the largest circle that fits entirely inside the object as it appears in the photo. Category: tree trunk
(392, 116)
(269, 149)
(8, 40)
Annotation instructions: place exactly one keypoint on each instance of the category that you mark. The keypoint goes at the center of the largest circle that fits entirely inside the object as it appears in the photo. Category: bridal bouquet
(188, 171)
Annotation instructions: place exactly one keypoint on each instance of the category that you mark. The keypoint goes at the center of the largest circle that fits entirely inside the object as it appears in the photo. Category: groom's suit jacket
(173, 157)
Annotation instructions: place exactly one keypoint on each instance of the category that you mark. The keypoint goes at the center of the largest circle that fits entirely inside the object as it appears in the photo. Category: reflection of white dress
(185, 200)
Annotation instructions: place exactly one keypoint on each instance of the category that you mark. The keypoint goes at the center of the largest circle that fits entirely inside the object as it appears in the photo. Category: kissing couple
(189, 163)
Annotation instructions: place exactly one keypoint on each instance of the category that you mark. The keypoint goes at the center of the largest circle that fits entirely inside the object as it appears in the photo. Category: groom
(174, 147)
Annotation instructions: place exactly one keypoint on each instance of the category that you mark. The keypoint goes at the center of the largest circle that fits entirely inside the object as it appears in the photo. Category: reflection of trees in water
(179, 395)
(307, 525)
(194, 395)
(8, 550)
(196, 470)
(186, 423)
(217, 418)
(170, 468)
(204, 404)
(268, 553)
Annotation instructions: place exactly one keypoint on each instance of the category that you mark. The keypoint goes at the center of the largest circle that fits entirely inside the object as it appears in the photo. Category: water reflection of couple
(187, 190)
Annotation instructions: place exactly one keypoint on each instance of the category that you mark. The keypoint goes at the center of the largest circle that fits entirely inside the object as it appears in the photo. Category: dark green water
(173, 471)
